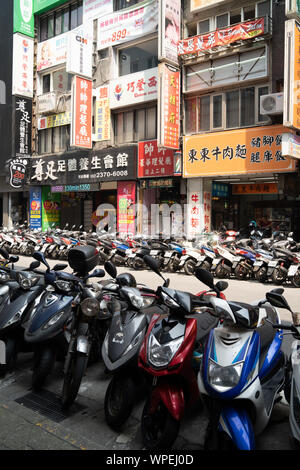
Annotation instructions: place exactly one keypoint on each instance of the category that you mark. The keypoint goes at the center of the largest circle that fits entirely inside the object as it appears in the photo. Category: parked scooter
(242, 371)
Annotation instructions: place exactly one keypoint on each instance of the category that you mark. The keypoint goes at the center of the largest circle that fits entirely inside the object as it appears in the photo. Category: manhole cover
(48, 404)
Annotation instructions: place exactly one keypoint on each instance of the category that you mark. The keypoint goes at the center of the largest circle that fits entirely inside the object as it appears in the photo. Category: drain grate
(48, 404)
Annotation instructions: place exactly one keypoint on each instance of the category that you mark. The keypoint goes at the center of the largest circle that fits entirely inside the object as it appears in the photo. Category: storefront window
(136, 58)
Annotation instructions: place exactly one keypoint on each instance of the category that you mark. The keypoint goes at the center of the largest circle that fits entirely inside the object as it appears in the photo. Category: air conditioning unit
(271, 104)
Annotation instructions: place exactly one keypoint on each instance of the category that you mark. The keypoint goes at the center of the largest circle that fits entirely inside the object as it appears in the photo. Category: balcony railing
(225, 37)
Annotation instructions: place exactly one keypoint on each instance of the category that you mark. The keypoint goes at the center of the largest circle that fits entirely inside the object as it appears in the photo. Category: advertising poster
(128, 24)
(50, 208)
(237, 152)
(80, 54)
(35, 210)
(22, 65)
(23, 17)
(168, 107)
(82, 113)
(135, 88)
(126, 207)
(52, 52)
(169, 30)
(102, 114)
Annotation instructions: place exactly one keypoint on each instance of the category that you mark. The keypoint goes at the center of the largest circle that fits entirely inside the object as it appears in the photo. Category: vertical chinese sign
(194, 216)
(50, 208)
(35, 210)
(82, 113)
(154, 161)
(169, 30)
(168, 106)
(23, 17)
(22, 65)
(102, 114)
(207, 210)
(126, 207)
(291, 112)
(23, 126)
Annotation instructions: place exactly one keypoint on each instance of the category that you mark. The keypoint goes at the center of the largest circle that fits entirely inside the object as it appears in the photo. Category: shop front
(77, 185)
(159, 188)
(246, 172)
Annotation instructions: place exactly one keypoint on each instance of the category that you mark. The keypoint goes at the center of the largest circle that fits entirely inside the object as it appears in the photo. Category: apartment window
(60, 21)
(59, 80)
(235, 16)
(229, 110)
(263, 8)
(46, 83)
(204, 26)
(132, 126)
(142, 56)
(249, 13)
(54, 139)
(121, 4)
(222, 21)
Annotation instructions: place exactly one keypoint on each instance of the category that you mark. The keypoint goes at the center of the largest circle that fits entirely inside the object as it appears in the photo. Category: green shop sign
(50, 208)
(40, 6)
(23, 17)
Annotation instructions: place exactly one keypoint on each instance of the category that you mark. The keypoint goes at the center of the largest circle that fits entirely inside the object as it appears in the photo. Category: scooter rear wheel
(189, 267)
(159, 429)
(119, 401)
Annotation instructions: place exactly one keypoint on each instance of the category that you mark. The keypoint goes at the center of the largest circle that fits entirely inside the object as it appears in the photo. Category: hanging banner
(22, 65)
(102, 114)
(242, 151)
(23, 17)
(93, 9)
(55, 120)
(221, 37)
(23, 127)
(82, 113)
(154, 161)
(50, 208)
(168, 107)
(128, 24)
(291, 108)
(135, 88)
(35, 210)
(126, 207)
(169, 30)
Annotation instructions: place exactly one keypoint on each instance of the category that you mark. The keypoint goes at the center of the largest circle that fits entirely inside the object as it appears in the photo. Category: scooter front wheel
(119, 401)
(159, 429)
(73, 378)
(189, 267)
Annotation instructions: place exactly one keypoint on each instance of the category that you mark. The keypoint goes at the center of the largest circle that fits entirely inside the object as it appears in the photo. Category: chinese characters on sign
(194, 213)
(23, 17)
(253, 150)
(169, 107)
(22, 65)
(35, 211)
(82, 113)
(85, 167)
(153, 161)
(207, 210)
(134, 88)
(54, 120)
(128, 24)
(221, 37)
(52, 52)
(259, 188)
(23, 123)
(102, 116)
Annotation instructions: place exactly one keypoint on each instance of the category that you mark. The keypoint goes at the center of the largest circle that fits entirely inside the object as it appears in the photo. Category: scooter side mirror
(205, 276)
(152, 264)
(221, 285)
(277, 300)
(59, 267)
(41, 258)
(4, 253)
(167, 283)
(96, 273)
(34, 265)
(110, 269)
(13, 259)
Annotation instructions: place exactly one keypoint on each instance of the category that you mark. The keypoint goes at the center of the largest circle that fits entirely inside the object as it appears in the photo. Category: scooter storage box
(83, 259)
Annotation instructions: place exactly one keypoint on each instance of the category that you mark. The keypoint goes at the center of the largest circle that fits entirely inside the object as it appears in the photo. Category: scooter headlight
(26, 282)
(63, 286)
(90, 307)
(136, 300)
(4, 277)
(224, 378)
(160, 355)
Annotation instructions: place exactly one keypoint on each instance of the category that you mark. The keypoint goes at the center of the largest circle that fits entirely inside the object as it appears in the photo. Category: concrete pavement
(30, 421)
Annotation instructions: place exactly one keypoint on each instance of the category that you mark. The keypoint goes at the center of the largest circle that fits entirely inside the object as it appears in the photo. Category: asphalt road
(30, 421)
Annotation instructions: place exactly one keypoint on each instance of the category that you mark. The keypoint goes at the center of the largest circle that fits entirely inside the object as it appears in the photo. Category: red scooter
(171, 353)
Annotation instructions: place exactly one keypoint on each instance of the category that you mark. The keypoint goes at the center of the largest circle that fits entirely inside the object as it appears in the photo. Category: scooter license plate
(61, 247)
(153, 252)
(168, 255)
(215, 262)
(234, 264)
(293, 270)
(272, 264)
(257, 263)
(182, 261)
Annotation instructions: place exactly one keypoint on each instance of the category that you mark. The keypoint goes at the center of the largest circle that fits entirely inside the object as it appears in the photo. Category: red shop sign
(153, 161)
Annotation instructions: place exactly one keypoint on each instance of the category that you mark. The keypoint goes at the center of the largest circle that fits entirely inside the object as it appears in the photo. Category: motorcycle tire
(278, 276)
(159, 429)
(261, 275)
(240, 272)
(138, 263)
(119, 401)
(11, 353)
(205, 265)
(43, 363)
(221, 272)
(29, 250)
(189, 267)
(296, 279)
(73, 378)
